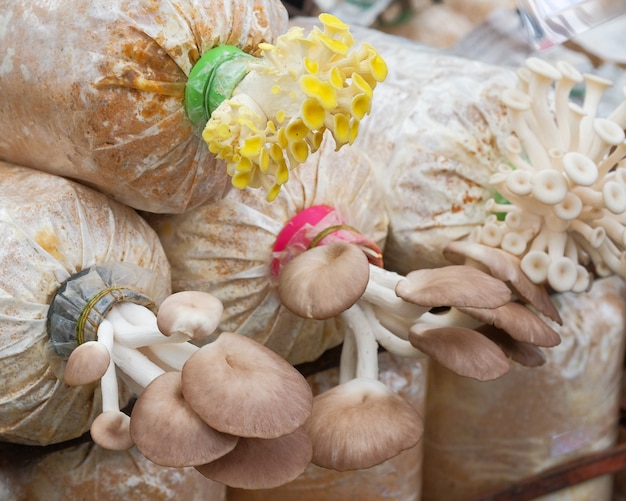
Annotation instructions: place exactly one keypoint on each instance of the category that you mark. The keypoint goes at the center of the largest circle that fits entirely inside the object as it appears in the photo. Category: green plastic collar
(212, 80)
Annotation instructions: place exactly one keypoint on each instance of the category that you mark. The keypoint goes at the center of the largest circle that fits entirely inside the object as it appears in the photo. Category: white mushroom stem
(365, 341)
(389, 341)
(108, 382)
(139, 368)
(594, 89)
(173, 355)
(380, 291)
(569, 77)
(347, 362)
(141, 333)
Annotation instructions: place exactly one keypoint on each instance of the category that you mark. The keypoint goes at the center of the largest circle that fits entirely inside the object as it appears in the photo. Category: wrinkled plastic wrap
(226, 248)
(94, 90)
(88, 472)
(484, 435)
(83, 300)
(52, 229)
(435, 136)
(399, 478)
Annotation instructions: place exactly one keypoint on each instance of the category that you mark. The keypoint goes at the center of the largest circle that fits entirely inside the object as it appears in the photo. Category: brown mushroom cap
(86, 364)
(193, 313)
(111, 430)
(257, 463)
(457, 285)
(519, 322)
(168, 432)
(360, 424)
(525, 354)
(506, 267)
(324, 281)
(462, 350)
(240, 387)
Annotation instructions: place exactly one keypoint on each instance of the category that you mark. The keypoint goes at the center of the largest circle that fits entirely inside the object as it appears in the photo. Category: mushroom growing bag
(94, 90)
(229, 248)
(53, 230)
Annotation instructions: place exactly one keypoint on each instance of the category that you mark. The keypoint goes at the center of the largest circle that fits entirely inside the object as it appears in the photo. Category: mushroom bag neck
(318, 225)
(226, 248)
(83, 300)
(51, 229)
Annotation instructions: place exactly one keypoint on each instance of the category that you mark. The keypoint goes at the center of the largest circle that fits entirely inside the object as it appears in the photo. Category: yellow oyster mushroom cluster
(564, 178)
(299, 88)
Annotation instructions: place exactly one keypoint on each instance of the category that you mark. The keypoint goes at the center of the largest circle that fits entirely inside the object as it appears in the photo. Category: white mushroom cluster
(564, 183)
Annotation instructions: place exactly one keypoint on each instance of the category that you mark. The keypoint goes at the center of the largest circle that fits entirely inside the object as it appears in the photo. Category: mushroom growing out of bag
(79, 271)
(52, 230)
(118, 94)
(563, 219)
(322, 238)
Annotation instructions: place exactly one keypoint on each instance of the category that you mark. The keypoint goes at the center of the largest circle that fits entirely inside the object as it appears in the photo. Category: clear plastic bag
(94, 91)
(52, 229)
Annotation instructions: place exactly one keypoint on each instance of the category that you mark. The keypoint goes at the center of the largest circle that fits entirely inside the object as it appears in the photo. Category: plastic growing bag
(52, 230)
(228, 248)
(94, 90)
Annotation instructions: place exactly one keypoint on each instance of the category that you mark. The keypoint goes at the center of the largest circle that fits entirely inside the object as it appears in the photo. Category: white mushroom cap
(257, 463)
(324, 281)
(361, 423)
(462, 350)
(111, 430)
(240, 387)
(193, 313)
(458, 285)
(86, 364)
(168, 432)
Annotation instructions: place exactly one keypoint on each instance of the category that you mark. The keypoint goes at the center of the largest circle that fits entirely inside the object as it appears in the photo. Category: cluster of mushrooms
(563, 182)
(299, 88)
(233, 408)
(244, 416)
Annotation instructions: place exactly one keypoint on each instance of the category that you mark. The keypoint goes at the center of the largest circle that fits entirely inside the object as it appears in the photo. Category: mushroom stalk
(137, 335)
(173, 355)
(365, 341)
(108, 382)
(135, 365)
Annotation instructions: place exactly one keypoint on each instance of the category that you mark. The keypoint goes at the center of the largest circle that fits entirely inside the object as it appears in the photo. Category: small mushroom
(168, 432)
(240, 387)
(441, 287)
(87, 364)
(361, 423)
(111, 430)
(462, 350)
(195, 314)
(257, 463)
(324, 281)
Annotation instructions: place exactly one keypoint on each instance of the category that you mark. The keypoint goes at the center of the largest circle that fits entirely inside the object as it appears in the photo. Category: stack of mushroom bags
(263, 279)
(88, 314)
(94, 130)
